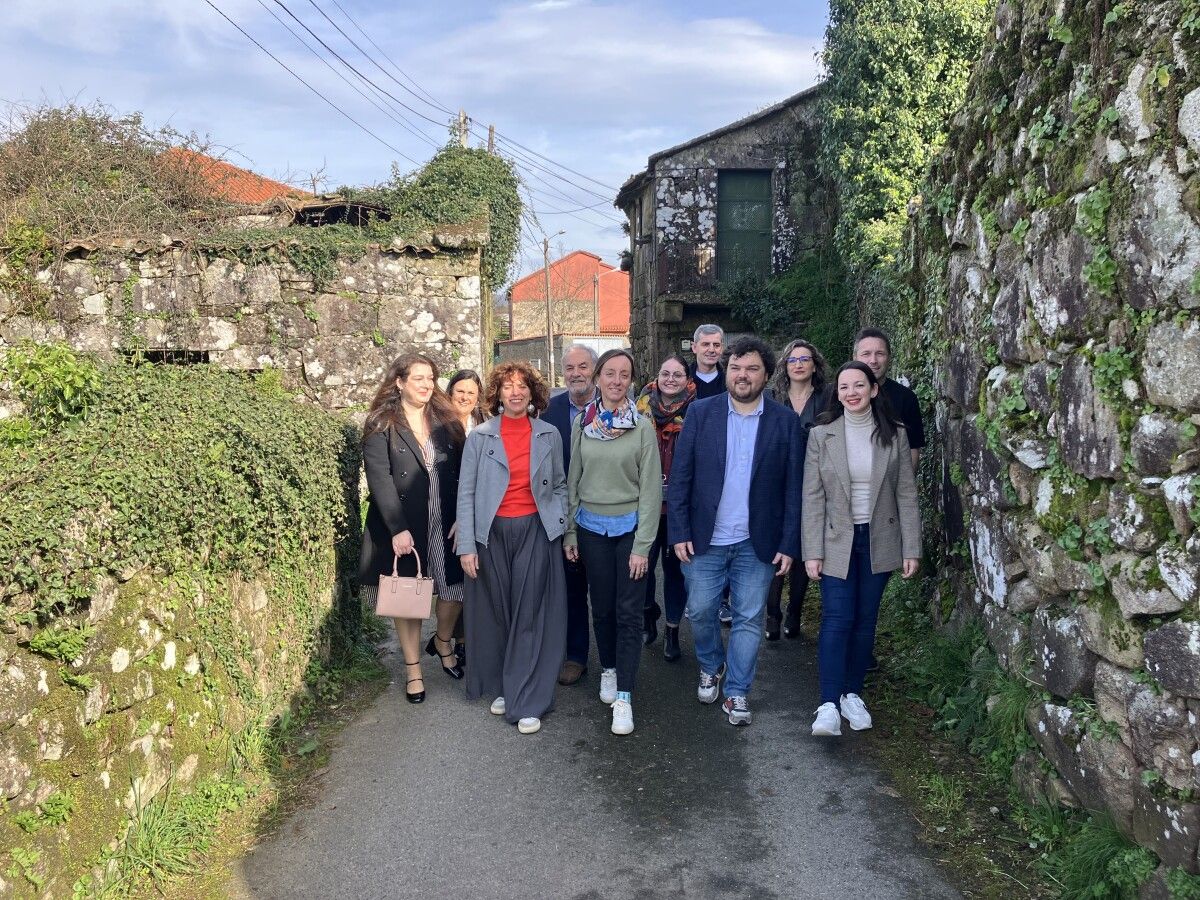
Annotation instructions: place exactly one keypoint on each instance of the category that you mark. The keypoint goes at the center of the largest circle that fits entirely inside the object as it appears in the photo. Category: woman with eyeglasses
(665, 402)
(800, 384)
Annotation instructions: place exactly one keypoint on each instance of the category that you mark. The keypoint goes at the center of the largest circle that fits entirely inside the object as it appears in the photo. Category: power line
(383, 109)
(432, 101)
(343, 61)
(288, 69)
(368, 56)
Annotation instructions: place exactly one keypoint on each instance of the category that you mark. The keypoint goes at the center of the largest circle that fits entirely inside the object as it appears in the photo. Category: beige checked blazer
(827, 527)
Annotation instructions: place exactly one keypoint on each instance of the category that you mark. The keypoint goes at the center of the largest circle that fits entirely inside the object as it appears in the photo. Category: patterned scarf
(668, 418)
(602, 425)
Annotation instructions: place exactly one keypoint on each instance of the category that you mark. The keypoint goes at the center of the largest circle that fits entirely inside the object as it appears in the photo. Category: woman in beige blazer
(860, 523)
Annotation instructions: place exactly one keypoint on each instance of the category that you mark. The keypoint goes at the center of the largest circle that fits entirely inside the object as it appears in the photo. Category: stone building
(330, 337)
(589, 304)
(329, 316)
(745, 197)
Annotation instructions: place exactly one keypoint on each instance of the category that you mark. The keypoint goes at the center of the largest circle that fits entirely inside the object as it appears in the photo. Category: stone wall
(1058, 281)
(672, 211)
(331, 338)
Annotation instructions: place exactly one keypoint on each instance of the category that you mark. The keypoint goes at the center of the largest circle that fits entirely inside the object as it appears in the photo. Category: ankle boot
(671, 644)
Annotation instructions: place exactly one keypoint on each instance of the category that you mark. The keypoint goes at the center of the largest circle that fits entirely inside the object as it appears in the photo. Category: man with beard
(578, 364)
(733, 517)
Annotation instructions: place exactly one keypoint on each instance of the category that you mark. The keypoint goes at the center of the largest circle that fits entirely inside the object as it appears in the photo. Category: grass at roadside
(949, 724)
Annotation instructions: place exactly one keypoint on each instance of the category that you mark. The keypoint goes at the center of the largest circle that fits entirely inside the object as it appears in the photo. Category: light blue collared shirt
(733, 512)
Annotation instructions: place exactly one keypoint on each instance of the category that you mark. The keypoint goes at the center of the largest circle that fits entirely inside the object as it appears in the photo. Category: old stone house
(745, 197)
(588, 304)
(329, 318)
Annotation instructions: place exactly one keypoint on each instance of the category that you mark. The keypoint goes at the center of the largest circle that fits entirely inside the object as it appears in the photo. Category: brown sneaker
(571, 672)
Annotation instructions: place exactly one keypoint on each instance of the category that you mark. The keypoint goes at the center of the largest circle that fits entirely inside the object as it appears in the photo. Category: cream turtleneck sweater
(860, 427)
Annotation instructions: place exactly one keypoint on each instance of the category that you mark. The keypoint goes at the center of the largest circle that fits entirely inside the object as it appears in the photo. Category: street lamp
(549, 317)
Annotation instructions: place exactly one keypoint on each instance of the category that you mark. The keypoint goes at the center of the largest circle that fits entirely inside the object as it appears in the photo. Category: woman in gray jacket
(512, 512)
(860, 523)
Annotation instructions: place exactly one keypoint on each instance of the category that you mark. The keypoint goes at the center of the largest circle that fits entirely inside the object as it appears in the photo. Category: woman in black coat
(412, 450)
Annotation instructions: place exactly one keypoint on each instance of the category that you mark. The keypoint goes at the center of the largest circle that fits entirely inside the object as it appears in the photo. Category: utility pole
(491, 139)
(549, 317)
(596, 303)
(462, 127)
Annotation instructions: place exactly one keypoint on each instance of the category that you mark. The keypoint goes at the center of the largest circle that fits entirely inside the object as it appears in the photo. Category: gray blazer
(483, 480)
(827, 527)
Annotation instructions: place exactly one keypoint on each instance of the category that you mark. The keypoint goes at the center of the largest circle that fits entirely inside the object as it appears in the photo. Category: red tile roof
(232, 183)
(572, 277)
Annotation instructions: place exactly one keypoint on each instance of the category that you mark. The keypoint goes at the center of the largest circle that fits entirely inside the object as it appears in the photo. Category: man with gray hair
(578, 365)
(707, 344)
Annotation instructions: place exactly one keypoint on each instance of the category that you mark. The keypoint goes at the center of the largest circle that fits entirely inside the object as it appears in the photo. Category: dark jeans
(616, 603)
(674, 592)
(579, 638)
(798, 586)
(849, 609)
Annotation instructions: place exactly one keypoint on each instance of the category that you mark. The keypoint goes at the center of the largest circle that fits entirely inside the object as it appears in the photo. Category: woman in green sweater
(614, 492)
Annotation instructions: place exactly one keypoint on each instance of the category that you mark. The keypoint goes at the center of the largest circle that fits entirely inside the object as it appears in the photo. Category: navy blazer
(560, 413)
(776, 479)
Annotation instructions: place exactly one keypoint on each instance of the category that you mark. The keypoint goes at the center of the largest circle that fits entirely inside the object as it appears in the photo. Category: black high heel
(419, 696)
(455, 671)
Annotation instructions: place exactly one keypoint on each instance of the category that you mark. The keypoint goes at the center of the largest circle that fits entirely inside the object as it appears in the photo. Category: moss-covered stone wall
(174, 571)
(1056, 278)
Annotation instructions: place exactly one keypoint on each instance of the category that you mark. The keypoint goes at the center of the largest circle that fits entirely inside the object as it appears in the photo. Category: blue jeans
(748, 579)
(849, 609)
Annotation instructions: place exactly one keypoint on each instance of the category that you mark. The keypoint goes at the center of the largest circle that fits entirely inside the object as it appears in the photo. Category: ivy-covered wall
(1055, 278)
(175, 549)
(323, 306)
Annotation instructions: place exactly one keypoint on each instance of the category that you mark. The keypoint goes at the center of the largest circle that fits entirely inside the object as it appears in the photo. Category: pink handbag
(405, 597)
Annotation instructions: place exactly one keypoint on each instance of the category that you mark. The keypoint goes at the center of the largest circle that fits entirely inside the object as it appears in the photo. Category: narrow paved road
(445, 801)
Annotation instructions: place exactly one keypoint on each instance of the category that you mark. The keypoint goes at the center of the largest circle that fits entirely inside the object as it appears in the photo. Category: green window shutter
(743, 223)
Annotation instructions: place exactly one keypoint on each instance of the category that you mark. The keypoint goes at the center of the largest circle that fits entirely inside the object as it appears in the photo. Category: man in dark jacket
(578, 365)
(707, 344)
(872, 347)
(733, 517)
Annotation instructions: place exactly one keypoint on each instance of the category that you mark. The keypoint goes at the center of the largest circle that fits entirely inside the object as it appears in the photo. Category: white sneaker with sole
(737, 709)
(608, 686)
(497, 707)
(529, 725)
(855, 712)
(622, 722)
(709, 686)
(828, 722)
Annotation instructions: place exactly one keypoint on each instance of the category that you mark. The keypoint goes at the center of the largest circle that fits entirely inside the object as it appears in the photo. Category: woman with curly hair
(412, 448)
(800, 383)
(512, 513)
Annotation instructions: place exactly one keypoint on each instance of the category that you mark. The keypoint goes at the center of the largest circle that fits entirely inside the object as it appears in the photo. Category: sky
(596, 87)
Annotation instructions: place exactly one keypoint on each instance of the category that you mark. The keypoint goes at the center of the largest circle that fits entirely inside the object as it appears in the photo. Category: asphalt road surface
(447, 802)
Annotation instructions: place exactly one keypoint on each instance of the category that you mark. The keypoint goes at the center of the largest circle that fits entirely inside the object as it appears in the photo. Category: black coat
(399, 501)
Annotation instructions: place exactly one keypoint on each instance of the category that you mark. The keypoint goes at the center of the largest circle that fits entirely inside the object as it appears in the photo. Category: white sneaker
(497, 707)
(529, 725)
(828, 722)
(709, 686)
(622, 722)
(855, 712)
(608, 686)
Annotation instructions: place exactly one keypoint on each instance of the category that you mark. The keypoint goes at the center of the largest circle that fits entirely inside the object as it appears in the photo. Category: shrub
(1099, 863)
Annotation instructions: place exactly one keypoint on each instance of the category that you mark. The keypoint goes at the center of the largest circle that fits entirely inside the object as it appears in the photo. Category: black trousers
(617, 602)
(798, 581)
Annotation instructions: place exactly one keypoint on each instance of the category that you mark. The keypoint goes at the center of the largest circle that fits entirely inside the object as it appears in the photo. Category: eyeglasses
(798, 359)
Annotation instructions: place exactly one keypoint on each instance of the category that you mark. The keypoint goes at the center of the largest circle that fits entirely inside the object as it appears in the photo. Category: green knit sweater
(612, 478)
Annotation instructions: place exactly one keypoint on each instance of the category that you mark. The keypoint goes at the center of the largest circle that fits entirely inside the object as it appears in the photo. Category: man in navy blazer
(578, 367)
(733, 517)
